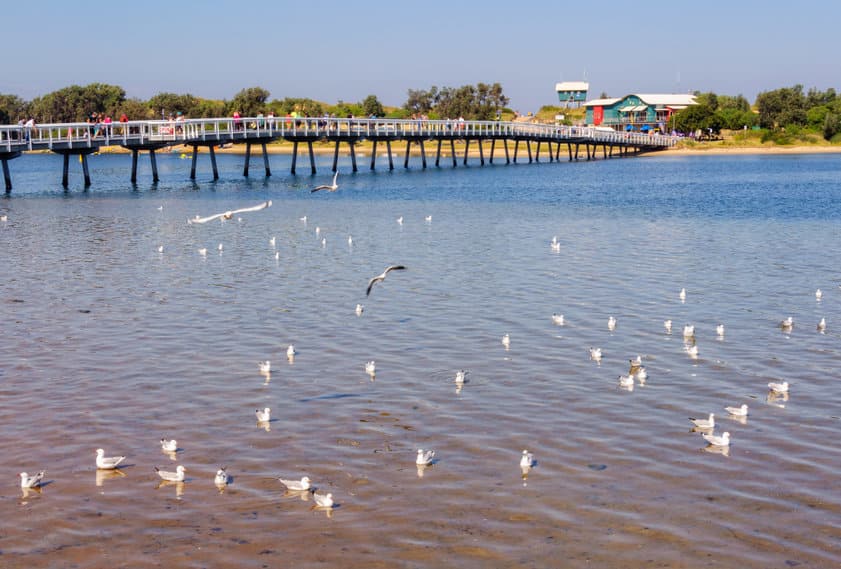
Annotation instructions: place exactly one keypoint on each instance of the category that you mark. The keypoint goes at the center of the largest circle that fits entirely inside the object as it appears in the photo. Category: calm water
(108, 343)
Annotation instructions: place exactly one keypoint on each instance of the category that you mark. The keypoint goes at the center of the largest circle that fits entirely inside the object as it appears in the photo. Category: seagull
(715, 440)
(668, 326)
(203, 251)
(370, 368)
(359, 309)
(220, 247)
(822, 325)
(160, 208)
(272, 241)
(682, 294)
(265, 367)
(818, 294)
(323, 500)
(688, 331)
(460, 374)
(350, 240)
(556, 246)
(506, 341)
(558, 319)
(527, 459)
(400, 220)
(177, 476)
(221, 478)
(596, 354)
(611, 323)
(738, 411)
(290, 351)
(160, 248)
(4, 217)
(229, 214)
(787, 324)
(778, 387)
(107, 462)
(704, 423)
(297, 485)
(169, 445)
(304, 219)
(263, 416)
(381, 276)
(642, 375)
(331, 188)
(626, 380)
(317, 230)
(424, 458)
(276, 255)
(720, 330)
(428, 219)
(27, 481)
(324, 242)
(635, 362)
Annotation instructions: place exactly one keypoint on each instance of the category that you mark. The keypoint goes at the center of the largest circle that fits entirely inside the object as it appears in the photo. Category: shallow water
(108, 343)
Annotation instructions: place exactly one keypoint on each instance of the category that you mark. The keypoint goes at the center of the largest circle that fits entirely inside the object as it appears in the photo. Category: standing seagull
(331, 188)
(381, 277)
(229, 214)
(107, 462)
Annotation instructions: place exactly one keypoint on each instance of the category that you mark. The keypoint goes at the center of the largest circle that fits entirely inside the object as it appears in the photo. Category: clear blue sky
(339, 49)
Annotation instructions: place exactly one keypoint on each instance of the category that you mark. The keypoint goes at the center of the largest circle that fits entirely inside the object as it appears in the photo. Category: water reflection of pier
(83, 139)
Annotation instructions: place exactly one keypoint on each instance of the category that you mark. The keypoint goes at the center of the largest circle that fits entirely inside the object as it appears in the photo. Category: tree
(135, 110)
(164, 104)
(76, 103)
(372, 107)
(696, 117)
(421, 102)
(250, 101)
(782, 107)
(12, 108)
(831, 126)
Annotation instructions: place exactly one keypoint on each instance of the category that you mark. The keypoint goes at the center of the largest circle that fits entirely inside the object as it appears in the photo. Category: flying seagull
(331, 188)
(229, 214)
(381, 277)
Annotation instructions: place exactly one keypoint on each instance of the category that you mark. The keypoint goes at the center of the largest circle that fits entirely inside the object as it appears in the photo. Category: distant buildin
(637, 112)
(572, 92)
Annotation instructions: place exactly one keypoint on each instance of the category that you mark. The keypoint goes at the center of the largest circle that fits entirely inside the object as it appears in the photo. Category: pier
(83, 139)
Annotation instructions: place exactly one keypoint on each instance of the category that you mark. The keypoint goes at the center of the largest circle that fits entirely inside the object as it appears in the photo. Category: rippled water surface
(109, 343)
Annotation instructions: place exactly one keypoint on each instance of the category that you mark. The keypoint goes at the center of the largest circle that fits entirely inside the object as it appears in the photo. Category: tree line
(76, 103)
(784, 113)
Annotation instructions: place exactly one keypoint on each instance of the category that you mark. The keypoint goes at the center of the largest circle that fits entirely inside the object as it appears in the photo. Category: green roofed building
(572, 92)
(637, 112)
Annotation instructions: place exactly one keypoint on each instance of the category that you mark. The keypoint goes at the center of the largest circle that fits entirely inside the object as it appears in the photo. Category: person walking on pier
(28, 126)
(237, 121)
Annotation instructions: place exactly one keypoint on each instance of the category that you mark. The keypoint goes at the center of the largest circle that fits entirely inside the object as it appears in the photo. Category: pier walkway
(82, 139)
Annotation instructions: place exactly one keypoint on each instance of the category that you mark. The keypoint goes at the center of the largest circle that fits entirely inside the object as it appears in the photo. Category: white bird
(642, 375)
(682, 294)
(692, 350)
(428, 219)
(350, 240)
(318, 230)
(506, 341)
(555, 240)
(203, 251)
(704, 423)
(324, 242)
(787, 324)
(400, 220)
(668, 326)
(331, 188)
(822, 325)
(177, 476)
(381, 276)
(229, 214)
(221, 478)
(626, 380)
(4, 217)
(595, 354)
(558, 319)
(778, 387)
(272, 241)
(220, 247)
(276, 255)
(290, 351)
(359, 309)
(160, 248)
(635, 362)
(265, 367)
(160, 208)
(169, 445)
(611, 323)
(719, 330)
(370, 367)
(738, 411)
(297, 485)
(460, 374)
(27, 481)
(424, 457)
(715, 440)
(556, 247)
(263, 416)
(304, 219)
(323, 500)
(688, 331)
(107, 462)
(526, 459)
(818, 294)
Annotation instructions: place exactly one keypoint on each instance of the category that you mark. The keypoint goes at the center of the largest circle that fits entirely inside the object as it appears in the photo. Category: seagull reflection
(179, 487)
(103, 475)
(30, 492)
(776, 398)
(422, 468)
(715, 449)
